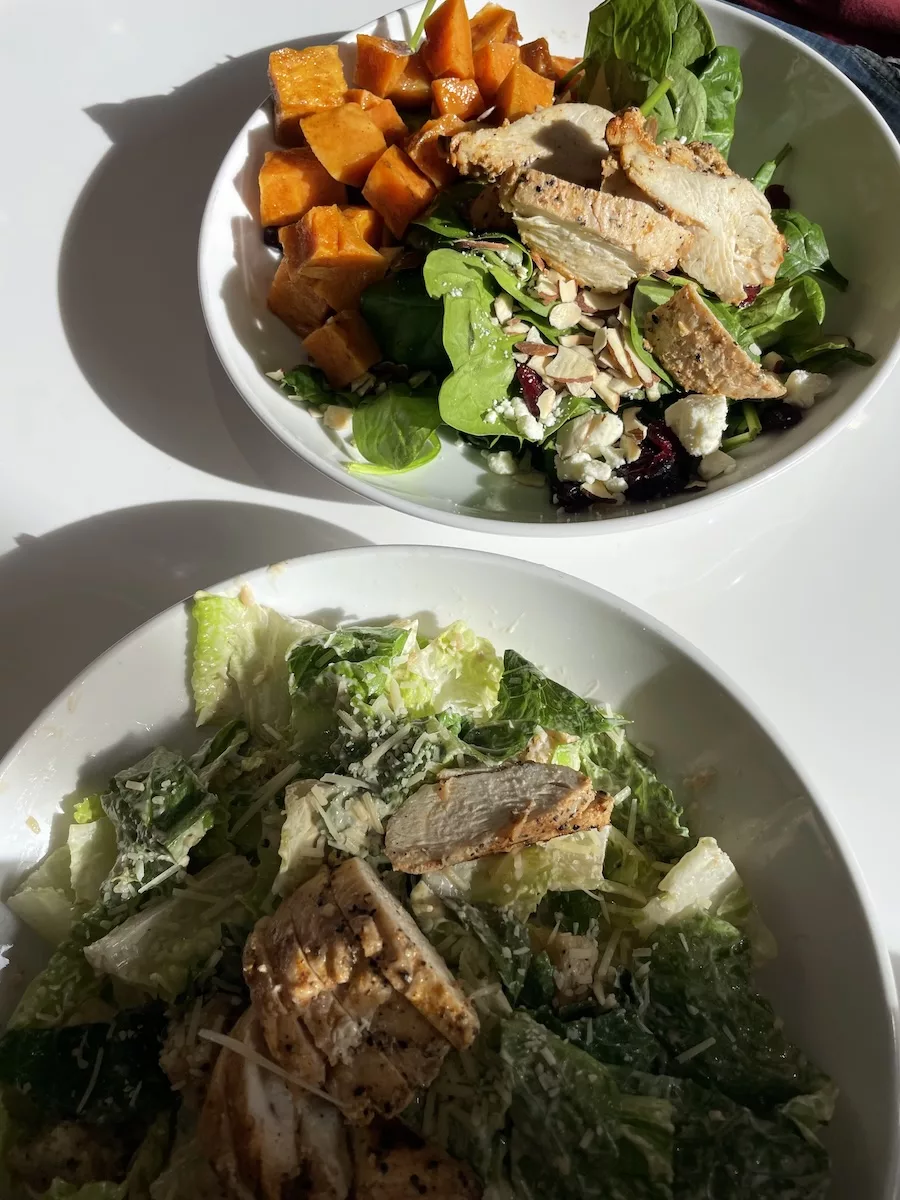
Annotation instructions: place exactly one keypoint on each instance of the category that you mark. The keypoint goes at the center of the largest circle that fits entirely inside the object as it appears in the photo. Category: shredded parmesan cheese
(92, 1083)
(687, 1055)
(230, 1043)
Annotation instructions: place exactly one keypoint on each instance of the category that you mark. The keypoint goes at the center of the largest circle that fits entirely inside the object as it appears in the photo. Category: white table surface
(132, 473)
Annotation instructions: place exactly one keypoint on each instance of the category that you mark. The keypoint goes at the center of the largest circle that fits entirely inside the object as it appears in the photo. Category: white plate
(791, 95)
(831, 982)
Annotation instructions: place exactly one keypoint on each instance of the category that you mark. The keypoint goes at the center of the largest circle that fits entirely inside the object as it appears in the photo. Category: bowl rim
(703, 500)
(530, 571)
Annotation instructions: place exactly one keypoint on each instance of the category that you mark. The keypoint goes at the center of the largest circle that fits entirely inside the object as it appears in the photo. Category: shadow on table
(128, 281)
(69, 595)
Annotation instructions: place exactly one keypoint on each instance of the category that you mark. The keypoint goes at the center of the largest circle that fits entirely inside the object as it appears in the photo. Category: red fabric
(872, 23)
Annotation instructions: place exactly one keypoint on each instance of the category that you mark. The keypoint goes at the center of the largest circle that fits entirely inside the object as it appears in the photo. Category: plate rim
(527, 570)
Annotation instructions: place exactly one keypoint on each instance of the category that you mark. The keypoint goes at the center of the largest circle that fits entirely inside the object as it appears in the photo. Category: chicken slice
(598, 239)
(391, 939)
(393, 1163)
(735, 243)
(368, 1084)
(323, 1146)
(469, 814)
(567, 140)
(287, 1040)
(700, 354)
(325, 938)
(413, 1046)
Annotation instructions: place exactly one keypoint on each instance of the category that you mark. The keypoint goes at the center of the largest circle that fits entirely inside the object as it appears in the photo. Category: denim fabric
(877, 77)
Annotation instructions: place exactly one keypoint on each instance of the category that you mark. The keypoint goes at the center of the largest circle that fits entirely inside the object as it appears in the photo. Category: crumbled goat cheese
(715, 464)
(803, 387)
(698, 422)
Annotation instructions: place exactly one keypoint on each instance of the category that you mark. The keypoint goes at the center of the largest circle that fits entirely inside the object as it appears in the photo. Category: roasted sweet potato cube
(367, 222)
(458, 97)
(493, 62)
(379, 63)
(537, 55)
(562, 66)
(304, 82)
(341, 287)
(343, 348)
(521, 92)
(447, 50)
(413, 88)
(398, 190)
(346, 141)
(294, 302)
(382, 112)
(291, 182)
(428, 149)
(325, 239)
(493, 23)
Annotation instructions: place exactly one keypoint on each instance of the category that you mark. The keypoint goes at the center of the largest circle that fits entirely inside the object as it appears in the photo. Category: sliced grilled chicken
(392, 940)
(700, 354)
(393, 1163)
(601, 240)
(567, 140)
(323, 1143)
(414, 1047)
(469, 814)
(325, 937)
(735, 243)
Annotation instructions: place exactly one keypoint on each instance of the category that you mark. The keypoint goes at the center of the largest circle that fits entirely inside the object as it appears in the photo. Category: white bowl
(844, 172)
(831, 982)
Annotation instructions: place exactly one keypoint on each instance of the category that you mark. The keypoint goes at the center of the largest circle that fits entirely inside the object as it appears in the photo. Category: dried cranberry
(752, 292)
(776, 417)
(270, 237)
(570, 496)
(663, 468)
(777, 196)
(531, 385)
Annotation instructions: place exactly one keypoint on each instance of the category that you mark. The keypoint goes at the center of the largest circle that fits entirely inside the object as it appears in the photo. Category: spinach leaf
(721, 79)
(688, 99)
(789, 309)
(613, 764)
(702, 988)
(807, 251)
(649, 293)
(636, 32)
(97, 1073)
(766, 172)
(559, 1093)
(825, 356)
(692, 34)
(396, 429)
(447, 218)
(479, 352)
(503, 936)
(308, 385)
(429, 454)
(406, 322)
(724, 1150)
(514, 286)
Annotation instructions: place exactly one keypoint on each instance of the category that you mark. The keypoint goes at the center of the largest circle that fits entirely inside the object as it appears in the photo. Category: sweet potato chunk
(428, 149)
(346, 141)
(413, 88)
(343, 348)
(323, 239)
(448, 42)
(521, 92)
(398, 190)
(367, 222)
(304, 82)
(341, 287)
(493, 23)
(536, 55)
(292, 299)
(291, 182)
(562, 66)
(379, 63)
(493, 62)
(382, 112)
(458, 97)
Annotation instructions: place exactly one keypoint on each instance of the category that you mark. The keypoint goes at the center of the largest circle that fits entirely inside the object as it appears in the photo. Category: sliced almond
(564, 315)
(569, 366)
(616, 348)
(568, 290)
(643, 372)
(575, 339)
(546, 402)
(600, 337)
(601, 386)
(577, 388)
(595, 301)
(591, 324)
(534, 348)
(514, 328)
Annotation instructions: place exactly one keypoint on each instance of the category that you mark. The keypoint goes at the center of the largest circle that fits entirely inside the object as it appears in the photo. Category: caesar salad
(415, 920)
(548, 258)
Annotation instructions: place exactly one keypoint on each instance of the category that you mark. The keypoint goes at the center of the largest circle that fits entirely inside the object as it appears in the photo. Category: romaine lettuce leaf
(618, 1037)
(157, 948)
(698, 883)
(575, 1133)
(457, 671)
(45, 900)
(92, 855)
(504, 938)
(716, 1028)
(239, 664)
